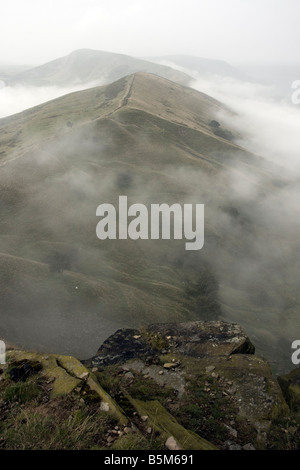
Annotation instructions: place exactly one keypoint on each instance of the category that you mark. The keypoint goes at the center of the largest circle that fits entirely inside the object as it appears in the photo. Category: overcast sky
(238, 31)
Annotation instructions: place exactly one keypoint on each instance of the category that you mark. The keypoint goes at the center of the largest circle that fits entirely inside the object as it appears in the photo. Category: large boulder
(173, 354)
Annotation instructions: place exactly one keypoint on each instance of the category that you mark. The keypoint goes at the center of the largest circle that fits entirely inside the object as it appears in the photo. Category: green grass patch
(22, 392)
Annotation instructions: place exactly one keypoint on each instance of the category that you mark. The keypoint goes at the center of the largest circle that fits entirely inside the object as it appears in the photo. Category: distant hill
(7, 70)
(63, 290)
(205, 67)
(90, 66)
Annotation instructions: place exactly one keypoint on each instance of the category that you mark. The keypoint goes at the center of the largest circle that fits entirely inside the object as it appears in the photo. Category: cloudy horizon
(240, 32)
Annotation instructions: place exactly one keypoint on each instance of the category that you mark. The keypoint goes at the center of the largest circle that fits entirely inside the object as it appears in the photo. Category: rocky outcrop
(195, 385)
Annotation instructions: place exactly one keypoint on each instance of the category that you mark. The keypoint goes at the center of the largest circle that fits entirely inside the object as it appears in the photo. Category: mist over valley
(233, 149)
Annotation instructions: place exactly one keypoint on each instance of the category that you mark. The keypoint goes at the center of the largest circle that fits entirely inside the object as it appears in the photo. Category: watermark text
(163, 222)
(2, 352)
(296, 353)
(296, 93)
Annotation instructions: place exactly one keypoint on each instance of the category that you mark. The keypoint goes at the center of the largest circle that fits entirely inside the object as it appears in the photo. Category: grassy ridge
(152, 140)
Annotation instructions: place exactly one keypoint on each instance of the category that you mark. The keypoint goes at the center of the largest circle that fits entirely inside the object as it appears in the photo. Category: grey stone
(249, 447)
(172, 444)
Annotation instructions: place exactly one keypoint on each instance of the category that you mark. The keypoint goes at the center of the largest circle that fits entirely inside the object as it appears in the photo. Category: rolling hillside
(62, 289)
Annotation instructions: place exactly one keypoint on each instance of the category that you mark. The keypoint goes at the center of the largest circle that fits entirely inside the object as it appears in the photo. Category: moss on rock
(167, 426)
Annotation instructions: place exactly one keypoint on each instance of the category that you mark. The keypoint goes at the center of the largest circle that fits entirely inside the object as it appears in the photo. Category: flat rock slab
(120, 347)
(196, 339)
(200, 339)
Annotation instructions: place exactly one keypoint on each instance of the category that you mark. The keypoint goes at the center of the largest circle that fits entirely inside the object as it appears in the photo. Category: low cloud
(15, 99)
(270, 127)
